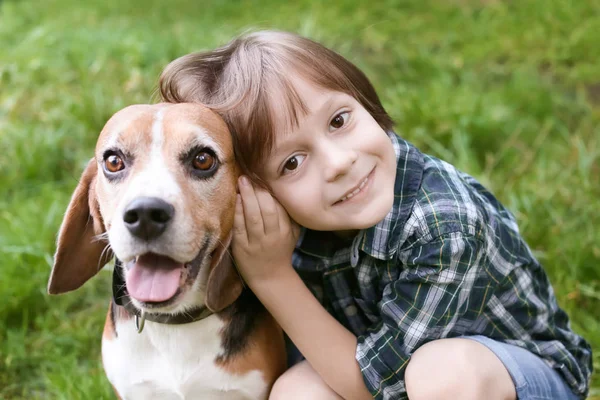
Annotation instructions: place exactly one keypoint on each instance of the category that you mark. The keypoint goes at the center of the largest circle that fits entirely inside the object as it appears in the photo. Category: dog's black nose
(148, 217)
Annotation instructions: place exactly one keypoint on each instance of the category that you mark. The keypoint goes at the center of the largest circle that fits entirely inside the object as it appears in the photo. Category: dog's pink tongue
(153, 278)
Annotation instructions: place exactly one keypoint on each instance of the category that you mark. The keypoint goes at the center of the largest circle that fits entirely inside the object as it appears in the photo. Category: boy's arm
(263, 242)
(327, 345)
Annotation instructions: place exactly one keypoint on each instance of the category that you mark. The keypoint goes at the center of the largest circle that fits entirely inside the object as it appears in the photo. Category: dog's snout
(148, 217)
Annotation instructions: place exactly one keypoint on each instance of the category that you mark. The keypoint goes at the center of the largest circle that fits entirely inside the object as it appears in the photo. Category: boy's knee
(457, 369)
(285, 384)
(301, 382)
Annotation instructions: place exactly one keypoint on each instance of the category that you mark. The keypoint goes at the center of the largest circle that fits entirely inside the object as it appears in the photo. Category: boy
(420, 283)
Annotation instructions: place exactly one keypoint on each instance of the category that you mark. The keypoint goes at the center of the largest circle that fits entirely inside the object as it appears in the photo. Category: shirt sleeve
(439, 283)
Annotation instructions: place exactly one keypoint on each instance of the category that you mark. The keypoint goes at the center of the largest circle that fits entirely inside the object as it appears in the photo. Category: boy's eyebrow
(286, 139)
(332, 98)
(281, 147)
(327, 104)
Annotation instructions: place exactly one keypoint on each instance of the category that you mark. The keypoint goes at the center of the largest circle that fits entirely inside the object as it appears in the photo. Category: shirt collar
(380, 241)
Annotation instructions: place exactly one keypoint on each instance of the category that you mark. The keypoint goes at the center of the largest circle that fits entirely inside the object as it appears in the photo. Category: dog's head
(160, 195)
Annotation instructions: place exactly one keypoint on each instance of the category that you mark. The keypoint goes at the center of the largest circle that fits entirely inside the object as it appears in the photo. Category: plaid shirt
(447, 261)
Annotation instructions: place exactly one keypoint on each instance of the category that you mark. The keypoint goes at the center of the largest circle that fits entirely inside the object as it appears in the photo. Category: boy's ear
(79, 253)
(224, 285)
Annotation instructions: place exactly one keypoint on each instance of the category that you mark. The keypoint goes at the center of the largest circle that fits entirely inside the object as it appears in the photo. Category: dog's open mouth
(153, 278)
(156, 280)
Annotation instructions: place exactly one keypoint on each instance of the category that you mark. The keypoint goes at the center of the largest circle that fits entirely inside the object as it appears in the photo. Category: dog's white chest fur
(174, 362)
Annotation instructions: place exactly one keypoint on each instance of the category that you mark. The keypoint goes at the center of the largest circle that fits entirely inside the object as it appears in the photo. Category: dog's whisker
(187, 313)
(228, 252)
(100, 237)
(232, 261)
(106, 249)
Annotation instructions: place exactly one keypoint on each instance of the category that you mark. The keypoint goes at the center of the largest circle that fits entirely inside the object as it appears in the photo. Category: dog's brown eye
(203, 161)
(114, 163)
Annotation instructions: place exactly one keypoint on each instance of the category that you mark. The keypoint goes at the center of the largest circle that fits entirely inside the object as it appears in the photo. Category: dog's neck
(121, 298)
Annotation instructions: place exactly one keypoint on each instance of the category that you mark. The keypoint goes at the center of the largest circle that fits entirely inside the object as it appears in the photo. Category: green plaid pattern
(447, 261)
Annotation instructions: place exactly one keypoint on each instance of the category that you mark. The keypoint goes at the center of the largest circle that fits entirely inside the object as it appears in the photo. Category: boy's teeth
(355, 191)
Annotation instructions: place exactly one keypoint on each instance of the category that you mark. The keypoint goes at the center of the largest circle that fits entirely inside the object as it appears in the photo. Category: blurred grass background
(507, 91)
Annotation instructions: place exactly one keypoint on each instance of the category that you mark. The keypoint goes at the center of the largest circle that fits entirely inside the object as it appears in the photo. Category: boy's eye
(292, 163)
(339, 120)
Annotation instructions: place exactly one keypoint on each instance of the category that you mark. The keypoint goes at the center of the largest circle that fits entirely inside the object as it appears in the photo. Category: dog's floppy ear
(224, 285)
(79, 255)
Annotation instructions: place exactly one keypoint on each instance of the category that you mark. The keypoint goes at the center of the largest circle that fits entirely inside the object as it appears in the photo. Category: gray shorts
(533, 378)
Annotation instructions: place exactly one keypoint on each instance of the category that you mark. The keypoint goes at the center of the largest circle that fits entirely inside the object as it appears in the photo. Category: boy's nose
(338, 161)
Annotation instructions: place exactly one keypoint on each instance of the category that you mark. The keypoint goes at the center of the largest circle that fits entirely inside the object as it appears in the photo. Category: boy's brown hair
(238, 79)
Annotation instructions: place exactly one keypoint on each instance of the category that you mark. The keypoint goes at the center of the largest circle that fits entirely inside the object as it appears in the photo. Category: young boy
(408, 278)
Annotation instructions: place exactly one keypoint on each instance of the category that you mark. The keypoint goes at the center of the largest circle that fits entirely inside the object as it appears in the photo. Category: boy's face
(336, 170)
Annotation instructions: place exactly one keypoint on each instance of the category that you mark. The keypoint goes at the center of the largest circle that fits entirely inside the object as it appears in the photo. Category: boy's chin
(353, 223)
(372, 215)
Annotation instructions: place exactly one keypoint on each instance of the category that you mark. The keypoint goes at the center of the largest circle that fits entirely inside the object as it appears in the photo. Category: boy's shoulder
(449, 201)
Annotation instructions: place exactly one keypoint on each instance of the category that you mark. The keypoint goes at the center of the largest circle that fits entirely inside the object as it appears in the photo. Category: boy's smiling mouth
(356, 189)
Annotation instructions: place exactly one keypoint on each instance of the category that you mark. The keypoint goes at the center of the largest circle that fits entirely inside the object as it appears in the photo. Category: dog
(159, 196)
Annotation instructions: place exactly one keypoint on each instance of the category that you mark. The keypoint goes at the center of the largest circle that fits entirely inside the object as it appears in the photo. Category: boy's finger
(239, 224)
(252, 216)
(286, 222)
(268, 211)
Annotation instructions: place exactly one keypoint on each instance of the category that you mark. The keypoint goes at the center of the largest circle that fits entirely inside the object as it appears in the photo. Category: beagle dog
(159, 196)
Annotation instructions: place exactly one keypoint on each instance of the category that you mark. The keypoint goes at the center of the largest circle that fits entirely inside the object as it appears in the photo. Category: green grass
(507, 91)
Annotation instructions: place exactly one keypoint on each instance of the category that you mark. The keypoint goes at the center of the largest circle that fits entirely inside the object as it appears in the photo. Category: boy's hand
(264, 237)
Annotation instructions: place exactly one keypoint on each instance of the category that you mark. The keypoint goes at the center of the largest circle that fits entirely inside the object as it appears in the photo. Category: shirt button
(351, 310)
